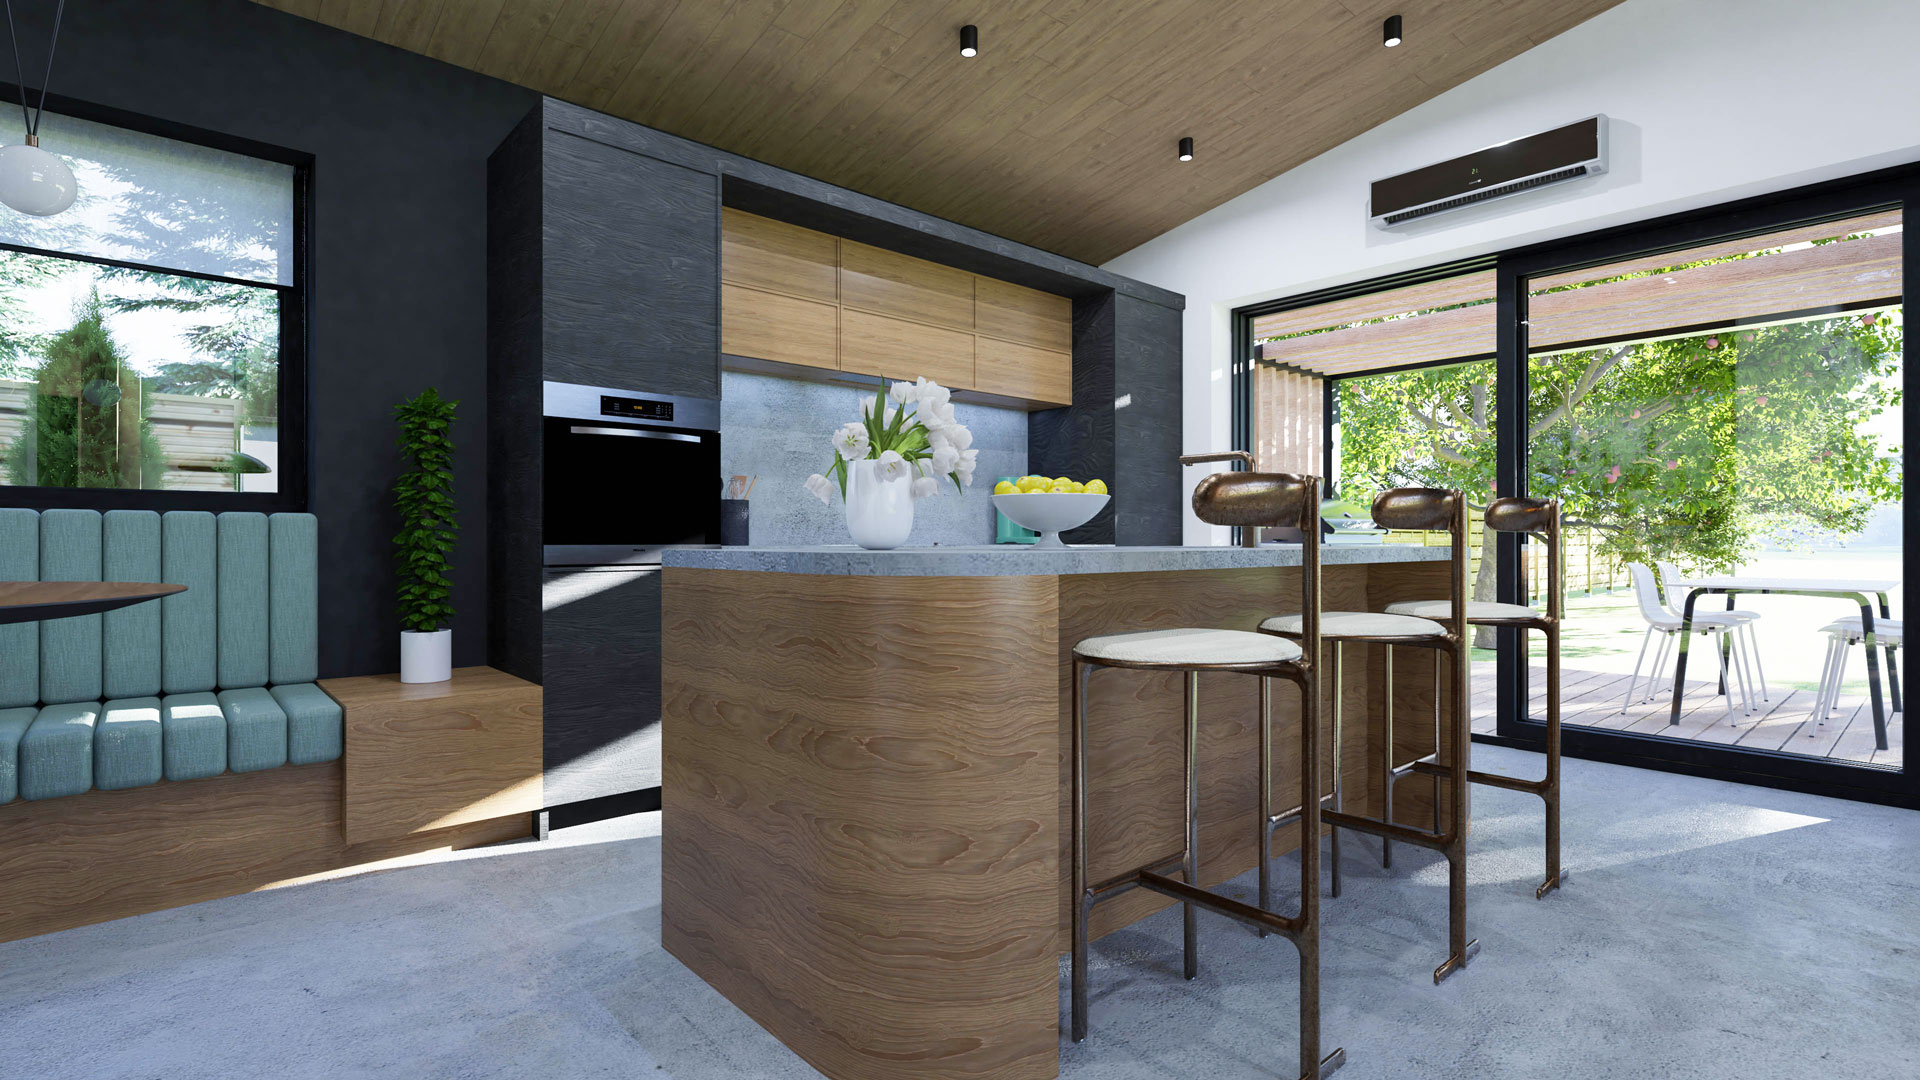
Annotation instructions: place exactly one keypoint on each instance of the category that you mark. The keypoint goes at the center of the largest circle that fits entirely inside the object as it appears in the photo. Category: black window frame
(1826, 201)
(295, 436)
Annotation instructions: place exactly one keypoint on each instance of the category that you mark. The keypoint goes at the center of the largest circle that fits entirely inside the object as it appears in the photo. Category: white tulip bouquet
(909, 428)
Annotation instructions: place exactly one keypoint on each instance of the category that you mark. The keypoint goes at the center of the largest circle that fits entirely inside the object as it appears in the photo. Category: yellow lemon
(1028, 485)
(1004, 487)
(1062, 487)
(1079, 488)
(1096, 487)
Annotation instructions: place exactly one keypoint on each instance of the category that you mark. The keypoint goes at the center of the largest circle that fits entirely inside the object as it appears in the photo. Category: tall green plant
(424, 497)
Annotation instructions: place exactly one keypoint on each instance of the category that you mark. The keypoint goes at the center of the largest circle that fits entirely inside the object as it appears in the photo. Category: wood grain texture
(784, 329)
(1021, 371)
(632, 284)
(797, 296)
(427, 756)
(1060, 134)
(601, 728)
(887, 283)
(1012, 312)
(866, 793)
(110, 854)
(898, 349)
(773, 256)
(861, 816)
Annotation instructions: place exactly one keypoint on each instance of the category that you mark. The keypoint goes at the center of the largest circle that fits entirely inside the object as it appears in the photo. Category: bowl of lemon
(1049, 505)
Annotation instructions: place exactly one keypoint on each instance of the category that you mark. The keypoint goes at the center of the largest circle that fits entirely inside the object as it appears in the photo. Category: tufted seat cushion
(56, 753)
(1189, 648)
(1477, 610)
(13, 724)
(126, 744)
(1358, 625)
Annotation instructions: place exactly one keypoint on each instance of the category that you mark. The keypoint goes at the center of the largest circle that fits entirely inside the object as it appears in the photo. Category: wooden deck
(1593, 698)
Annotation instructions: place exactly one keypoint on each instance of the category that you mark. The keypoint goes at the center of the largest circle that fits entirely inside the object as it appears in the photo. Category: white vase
(426, 657)
(879, 512)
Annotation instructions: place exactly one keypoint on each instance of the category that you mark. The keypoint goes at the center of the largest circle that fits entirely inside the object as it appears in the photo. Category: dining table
(1857, 590)
(33, 601)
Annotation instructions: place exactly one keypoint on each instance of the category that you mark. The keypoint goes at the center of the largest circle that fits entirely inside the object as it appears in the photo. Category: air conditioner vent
(1484, 194)
(1551, 157)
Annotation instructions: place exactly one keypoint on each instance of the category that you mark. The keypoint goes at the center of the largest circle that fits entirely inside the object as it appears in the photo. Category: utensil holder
(734, 522)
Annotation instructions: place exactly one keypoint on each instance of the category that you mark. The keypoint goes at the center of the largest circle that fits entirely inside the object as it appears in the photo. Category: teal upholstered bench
(216, 679)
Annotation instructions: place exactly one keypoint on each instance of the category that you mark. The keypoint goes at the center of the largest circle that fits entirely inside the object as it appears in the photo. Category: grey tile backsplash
(778, 429)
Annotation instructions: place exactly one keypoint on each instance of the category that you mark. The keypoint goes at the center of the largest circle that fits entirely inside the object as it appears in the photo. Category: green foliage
(1688, 448)
(903, 432)
(424, 496)
(82, 431)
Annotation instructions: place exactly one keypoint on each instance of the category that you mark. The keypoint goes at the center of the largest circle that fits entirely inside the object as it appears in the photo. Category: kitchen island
(866, 787)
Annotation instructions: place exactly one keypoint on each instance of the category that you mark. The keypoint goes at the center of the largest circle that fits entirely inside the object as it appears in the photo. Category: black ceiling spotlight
(969, 40)
(1186, 148)
(1390, 33)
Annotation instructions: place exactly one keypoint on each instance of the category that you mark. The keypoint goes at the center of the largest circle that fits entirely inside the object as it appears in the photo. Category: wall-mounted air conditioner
(1510, 168)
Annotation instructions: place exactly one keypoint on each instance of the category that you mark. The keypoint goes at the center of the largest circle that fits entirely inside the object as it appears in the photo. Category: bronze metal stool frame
(1248, 500)
(1434, 509)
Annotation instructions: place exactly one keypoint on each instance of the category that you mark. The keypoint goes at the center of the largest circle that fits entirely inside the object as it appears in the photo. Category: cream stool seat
(1477, 611)
(1359, 625)
(1188, 647)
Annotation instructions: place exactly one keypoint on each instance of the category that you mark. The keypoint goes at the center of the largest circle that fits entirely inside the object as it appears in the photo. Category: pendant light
(32, 180)
(1186, 148)
(1390, 32)
(969, 40)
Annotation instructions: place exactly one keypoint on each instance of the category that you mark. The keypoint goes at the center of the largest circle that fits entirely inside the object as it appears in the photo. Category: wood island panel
(426, 756)
(860, 843)
(867, 790)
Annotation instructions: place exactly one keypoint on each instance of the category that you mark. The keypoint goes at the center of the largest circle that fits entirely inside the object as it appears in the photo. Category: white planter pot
(879, 512)
(426, 657)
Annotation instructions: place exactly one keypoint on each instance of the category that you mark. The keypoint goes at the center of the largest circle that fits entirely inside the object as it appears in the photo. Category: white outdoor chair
(1676, 598)
(1842, 635)
(1667, 624)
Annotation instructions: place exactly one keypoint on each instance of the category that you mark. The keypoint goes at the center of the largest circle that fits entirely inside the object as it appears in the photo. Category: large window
(146, 332)
(1716, 399)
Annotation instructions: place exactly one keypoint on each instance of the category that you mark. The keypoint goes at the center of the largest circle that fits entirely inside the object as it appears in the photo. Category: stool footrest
(1511, 783)
(1328, 1066)
(1258, 918)
(1128, 882)
(1388, 830)
(1288, 815)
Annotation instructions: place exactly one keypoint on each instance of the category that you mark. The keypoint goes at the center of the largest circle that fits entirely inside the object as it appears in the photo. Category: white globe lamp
(34, 181)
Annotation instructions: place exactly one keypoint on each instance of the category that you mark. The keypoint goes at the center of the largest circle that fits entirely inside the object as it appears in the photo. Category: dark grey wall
(398, 297)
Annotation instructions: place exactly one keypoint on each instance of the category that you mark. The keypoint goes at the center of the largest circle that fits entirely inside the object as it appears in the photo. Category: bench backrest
(249, 616)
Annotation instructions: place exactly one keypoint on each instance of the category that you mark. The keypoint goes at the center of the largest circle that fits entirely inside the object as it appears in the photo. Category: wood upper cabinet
(896, 348)
(773, 256)
(799, 297)
(1012, 312)
(888, 283)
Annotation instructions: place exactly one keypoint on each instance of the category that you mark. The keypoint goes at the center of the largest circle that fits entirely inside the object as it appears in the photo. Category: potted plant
(906, 441)
(424, 496)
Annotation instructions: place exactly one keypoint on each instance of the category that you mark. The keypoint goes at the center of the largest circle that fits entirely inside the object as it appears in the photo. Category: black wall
(398, 251)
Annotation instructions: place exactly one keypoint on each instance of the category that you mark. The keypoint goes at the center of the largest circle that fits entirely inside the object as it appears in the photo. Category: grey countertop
(1018, 559)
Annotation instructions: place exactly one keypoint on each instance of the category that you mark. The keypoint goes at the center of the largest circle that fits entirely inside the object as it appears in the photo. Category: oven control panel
(631, 408)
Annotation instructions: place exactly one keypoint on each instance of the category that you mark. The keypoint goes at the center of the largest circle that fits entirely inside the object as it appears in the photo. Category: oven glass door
(616, 485)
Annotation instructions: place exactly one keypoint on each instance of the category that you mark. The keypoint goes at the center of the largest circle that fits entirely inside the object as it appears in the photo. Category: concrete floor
(1711, 930)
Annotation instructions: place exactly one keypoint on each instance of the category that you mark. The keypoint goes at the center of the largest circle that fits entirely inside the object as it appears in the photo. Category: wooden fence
(197, 435)
(1586, 570)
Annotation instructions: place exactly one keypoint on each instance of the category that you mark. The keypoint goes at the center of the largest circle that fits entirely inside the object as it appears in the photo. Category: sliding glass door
(1723, 421)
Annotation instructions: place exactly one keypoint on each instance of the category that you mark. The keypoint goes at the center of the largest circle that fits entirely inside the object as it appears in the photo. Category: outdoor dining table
(1854, 589)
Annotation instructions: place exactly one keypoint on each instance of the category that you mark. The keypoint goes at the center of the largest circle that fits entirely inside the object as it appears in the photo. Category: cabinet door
(773, 256)
(888, 283)
(772, 326)
(1021, 371)
(601, 666)
(631, 281)
(898, 349)
(1012, 312)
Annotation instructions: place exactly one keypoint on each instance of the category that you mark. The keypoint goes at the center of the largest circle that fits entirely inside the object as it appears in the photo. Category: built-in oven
(627, 474)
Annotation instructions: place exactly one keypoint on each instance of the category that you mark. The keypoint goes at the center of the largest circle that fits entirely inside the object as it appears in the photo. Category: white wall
(1710, 100)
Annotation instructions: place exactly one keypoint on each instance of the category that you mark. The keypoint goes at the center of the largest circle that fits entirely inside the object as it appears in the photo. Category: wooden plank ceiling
(1060, 134)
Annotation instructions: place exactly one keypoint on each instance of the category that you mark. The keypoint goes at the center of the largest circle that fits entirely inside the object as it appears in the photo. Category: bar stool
(1407, 508)
(1250, 500)
(1539, 518)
